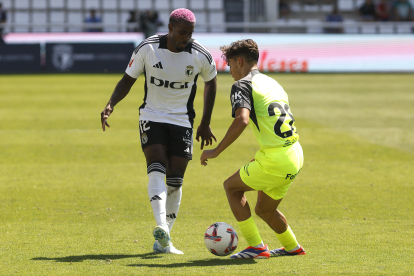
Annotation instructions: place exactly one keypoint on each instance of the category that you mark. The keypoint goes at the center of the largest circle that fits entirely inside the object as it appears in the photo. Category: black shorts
(178, 139)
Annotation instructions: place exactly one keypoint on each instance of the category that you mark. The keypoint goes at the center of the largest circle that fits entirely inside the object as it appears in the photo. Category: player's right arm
(134, 69)
(240, 122)
(121, 90)
(241, 107)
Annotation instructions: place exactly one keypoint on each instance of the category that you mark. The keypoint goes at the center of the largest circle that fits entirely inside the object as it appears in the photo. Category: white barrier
(281, 53)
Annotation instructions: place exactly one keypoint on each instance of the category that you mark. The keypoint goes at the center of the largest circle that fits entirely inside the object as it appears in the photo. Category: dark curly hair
(245, 47)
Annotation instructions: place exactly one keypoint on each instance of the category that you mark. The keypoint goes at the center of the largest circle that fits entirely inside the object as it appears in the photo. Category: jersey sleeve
(136, 63)
(208, 65)
(240, 96)
(209, 71)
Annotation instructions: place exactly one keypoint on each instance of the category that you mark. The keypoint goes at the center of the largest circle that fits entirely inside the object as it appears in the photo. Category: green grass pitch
(73, 199)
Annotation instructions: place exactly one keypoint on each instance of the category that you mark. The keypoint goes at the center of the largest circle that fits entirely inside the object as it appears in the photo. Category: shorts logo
(292, 176)
(144, 138)
(187, 138)
(189, 70)
(246, 169)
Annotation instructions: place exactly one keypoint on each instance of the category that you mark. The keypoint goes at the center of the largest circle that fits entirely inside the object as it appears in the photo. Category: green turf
(73, 199)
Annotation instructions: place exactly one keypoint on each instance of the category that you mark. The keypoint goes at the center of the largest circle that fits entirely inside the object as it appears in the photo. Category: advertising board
(290, 53)
(88, 57)
(322, 53)
(20, 58)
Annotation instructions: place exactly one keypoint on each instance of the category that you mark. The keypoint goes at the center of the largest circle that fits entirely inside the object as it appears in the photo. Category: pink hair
(183, 14)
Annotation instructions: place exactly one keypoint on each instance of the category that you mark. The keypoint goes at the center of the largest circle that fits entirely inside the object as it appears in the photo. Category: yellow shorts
(273, 170)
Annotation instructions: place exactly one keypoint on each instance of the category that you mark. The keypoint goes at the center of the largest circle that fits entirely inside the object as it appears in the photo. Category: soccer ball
(221, 239)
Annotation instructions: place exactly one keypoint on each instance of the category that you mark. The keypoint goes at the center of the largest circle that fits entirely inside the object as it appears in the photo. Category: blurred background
(294, 35)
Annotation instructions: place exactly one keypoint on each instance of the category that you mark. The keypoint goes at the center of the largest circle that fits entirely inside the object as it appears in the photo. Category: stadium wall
(290, 53)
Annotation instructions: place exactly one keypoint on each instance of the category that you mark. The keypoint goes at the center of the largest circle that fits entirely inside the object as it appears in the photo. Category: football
(221, 239)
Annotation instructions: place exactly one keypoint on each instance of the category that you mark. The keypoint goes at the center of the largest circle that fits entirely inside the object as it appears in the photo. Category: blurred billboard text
(295, 53)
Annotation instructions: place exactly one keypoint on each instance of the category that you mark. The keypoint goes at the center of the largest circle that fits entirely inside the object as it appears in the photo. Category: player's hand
(208, 154)
(104, 116)
(207, 136)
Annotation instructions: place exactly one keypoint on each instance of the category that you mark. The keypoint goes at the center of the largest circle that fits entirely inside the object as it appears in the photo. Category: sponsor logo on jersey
(291, 141)
(130, 63)
(144, 138)
(236, 98)
(189, 70)
(169, 84)
(158, 65)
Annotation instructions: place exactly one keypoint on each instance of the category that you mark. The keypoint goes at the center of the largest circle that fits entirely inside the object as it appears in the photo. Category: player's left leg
(180, 149)
(176, 167)
(235, 189)
(179, 153)
(266, 209)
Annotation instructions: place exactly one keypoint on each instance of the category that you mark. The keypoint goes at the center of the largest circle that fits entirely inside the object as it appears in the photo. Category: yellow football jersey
(270, 116)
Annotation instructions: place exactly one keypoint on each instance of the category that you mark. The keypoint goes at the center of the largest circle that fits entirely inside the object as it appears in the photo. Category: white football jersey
(170, 79)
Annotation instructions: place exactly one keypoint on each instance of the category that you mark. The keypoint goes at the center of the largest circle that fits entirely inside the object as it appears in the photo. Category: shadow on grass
(207, 262)
(194, 263)
(82, 258)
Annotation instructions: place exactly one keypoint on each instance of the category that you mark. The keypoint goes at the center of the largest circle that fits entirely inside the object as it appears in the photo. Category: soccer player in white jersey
(171, 65)
(260, 101)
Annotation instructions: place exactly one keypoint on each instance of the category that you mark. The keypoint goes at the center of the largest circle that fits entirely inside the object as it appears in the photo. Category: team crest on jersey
(189, 70)
(144, 138)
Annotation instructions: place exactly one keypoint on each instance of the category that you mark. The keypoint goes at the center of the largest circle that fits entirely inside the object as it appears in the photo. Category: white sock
(174, 194)
(157, 193)
(173, 204)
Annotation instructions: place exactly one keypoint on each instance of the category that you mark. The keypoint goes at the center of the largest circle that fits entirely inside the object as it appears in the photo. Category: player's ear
(240, 61)
(170, 27)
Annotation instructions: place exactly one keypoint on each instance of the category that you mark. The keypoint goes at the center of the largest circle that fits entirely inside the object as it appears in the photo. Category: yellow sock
(250, 231)
(287, 239)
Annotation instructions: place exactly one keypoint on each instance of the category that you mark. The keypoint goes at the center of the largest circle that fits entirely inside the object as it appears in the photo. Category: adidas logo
(172, 216)
(158, 65)
(155, 198)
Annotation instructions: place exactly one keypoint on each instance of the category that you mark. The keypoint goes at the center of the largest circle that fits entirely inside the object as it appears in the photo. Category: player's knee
(172, 191)
(226, 185)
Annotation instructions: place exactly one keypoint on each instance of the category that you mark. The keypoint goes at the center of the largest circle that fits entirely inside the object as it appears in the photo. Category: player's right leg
(157, 192)
(235, 189)
(154, 144)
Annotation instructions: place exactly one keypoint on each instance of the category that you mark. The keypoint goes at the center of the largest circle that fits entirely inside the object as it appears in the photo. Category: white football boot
(157, 248)
(162, 234)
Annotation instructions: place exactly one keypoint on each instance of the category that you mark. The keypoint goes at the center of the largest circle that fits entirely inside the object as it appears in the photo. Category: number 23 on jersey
(284, 111)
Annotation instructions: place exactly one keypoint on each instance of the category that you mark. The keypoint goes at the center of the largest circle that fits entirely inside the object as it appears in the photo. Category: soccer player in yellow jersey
(259, 100)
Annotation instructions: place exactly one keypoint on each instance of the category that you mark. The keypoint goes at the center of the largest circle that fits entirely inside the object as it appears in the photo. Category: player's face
(235, 69)
(180, 34)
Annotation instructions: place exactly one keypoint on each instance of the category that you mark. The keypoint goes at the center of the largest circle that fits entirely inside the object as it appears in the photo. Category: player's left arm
(240, 122)
(204, 129)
